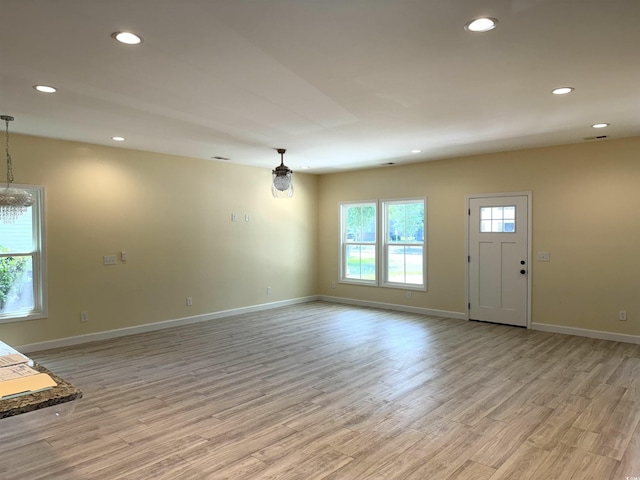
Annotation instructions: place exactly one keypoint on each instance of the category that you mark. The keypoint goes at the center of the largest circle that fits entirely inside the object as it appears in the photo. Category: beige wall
(172, 215)
(586, 199)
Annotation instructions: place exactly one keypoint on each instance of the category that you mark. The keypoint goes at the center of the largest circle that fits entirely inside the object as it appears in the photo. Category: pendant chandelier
(282, 186)
(13, 201)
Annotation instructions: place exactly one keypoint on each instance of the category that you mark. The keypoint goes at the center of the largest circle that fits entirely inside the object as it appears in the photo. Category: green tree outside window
(12, 271)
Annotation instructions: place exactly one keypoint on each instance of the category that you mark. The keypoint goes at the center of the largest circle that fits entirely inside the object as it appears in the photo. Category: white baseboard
(393, 306)
(149, 327)
(545, 327)
(583, 332)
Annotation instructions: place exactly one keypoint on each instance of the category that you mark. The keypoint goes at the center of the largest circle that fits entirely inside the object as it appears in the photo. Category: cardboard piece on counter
(12, 359)
(25, 385)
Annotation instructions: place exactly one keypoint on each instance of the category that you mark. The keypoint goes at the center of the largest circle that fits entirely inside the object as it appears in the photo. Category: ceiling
(341, 84)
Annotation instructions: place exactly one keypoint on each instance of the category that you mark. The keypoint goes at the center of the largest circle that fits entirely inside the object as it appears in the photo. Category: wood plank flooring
(324, 391)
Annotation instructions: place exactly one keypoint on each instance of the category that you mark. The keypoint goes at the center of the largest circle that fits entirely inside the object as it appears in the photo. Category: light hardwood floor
(324, 391)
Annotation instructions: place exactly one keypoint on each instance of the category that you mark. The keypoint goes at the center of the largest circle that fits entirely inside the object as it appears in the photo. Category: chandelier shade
(282, 184)
(13, 201)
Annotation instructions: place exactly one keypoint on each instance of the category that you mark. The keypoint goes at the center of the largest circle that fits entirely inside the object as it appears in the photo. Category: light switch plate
(543, 257)
(109, 260)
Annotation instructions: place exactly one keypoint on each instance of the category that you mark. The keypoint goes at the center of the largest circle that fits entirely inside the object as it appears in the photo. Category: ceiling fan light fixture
(13, 201)
(480, 25)
(282, 176)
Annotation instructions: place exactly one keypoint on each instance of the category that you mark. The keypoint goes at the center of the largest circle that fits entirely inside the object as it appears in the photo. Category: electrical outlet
(268, 290)
(622, 315)
(247, 218)
(409, 294)
(234, 217)
(84, 316)
(333, 284)
(189, 301)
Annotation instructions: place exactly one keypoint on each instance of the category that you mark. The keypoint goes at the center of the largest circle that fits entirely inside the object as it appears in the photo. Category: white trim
(44, 261)
(584, 332)
(150, 327)
(543, 327)
(529, 196)
(393, 306)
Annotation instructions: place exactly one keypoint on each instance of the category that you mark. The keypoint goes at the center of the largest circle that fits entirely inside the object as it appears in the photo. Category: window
(399, 249)
(403, 245)
(498, 219)
(358, 250)
(23, 263)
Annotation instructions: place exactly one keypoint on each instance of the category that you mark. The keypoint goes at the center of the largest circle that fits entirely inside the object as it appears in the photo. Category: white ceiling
(341, 84)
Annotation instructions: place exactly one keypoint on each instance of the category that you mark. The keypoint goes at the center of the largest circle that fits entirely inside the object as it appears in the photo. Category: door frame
(468, 198)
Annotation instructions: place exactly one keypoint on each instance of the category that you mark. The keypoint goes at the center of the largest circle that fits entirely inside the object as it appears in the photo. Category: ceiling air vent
(220, 158)
(599, 137)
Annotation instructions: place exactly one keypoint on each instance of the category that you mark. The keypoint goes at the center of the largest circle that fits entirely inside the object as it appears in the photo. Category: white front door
(499, 259)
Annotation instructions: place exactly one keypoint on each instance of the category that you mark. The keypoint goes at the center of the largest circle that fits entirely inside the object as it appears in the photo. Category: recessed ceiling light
(45, 88)
(416, 151)
(483, 24)
(562, 90)
(118, 139)
(600, 125)
(127, 38)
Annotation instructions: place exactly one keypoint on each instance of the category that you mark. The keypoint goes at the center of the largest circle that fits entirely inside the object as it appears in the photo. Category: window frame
(344, 243)
(385, 243)
(39, 260)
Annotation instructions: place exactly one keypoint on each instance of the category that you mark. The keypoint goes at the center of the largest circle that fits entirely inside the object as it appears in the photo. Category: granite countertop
(62, 393)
